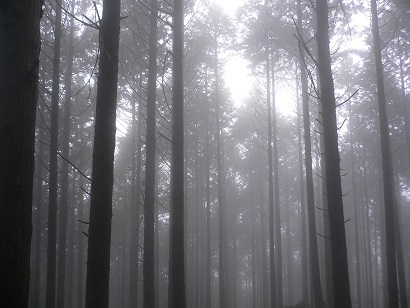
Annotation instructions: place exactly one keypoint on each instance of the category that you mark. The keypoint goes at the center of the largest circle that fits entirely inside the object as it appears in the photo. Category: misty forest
(204, 154)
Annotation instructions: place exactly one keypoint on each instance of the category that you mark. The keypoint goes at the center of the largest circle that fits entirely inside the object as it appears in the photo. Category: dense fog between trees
(205, 154)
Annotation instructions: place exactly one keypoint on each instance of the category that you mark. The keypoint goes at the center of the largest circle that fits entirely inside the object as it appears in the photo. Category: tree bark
(99, 240)
(341, 287)
(65, 152)
(313, 247)
(149, 201)
(19, 58)
(176, 293)
(356, 215)
(135, 206)
(53, 185)
(388, 180)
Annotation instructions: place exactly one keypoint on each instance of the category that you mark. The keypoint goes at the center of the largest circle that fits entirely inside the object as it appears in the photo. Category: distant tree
(99, 241)
(19, 59)
(176, 288)
(341, 287)
(65, 152)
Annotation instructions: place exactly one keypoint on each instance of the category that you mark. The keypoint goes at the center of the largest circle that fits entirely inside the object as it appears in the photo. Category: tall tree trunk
(53, 185)
(80, 251)
(176, 293)
(136, 165)
(149, 201)
(277, 222)
(313, 247)
(64, 200)
(70, 258)
(356, 214)
(340, 271)
(400, 260)
(304, 257)
(221, 206)
(388, 180)
(99, 240)
(208, 301)
(273, 295)
(19, 56)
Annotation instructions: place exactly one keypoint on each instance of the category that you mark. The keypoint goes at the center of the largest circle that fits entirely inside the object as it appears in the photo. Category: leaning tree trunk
(19, 56)
(388, 180)
(99, 240)
(340, 271)
(176, 291)
(313, 247)
(149, 201)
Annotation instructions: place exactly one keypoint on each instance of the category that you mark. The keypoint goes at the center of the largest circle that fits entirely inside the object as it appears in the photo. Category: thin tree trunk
(70, 258)
(99, 240)
(388, 180)
(64, 202)
(53, 185)
(19, 56)
(273, 296)
(356, 215)
(176, 294)
(304, 258)
(341, 287)
(400, 260)
(80, 252)
(208, 301)
(277, 222)
(149, 201)
(221, 206)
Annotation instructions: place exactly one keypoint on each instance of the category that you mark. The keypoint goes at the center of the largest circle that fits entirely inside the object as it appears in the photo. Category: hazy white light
(237, 78)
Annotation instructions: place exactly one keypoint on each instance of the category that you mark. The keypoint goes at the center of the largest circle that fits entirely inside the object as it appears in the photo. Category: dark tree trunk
(19, 54)
(176, 293)
(70, 260)
(53, 185)
(313, 247)
(340, 271)
(99, 240)
(64, 202)
(149, 201)
(80, 251)
(387, 169)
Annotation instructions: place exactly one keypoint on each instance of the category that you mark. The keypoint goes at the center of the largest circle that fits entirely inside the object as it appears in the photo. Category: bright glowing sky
(238, 77)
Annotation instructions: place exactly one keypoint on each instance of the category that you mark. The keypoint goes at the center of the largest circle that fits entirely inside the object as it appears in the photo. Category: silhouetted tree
(340, 271)
(176, 293)
(99, 241)
(19, 59)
